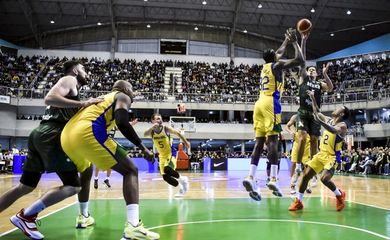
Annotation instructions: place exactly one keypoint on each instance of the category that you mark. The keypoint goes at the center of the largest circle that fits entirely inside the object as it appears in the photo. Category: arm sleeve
(122, 121)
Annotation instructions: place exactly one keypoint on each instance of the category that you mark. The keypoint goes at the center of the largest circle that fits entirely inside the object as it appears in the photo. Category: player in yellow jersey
(267, 110)
(85, 140)
(296, 168)
(330, 153)
(162, 140)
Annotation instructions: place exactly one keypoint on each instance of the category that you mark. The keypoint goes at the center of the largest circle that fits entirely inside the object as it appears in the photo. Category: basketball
(304, 25)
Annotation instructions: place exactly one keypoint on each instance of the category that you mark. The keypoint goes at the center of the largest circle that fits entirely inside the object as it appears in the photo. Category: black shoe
(107, 182)
(308, 191)
(95, 184)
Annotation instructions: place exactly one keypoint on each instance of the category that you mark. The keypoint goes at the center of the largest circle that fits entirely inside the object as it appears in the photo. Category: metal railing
(358, 96)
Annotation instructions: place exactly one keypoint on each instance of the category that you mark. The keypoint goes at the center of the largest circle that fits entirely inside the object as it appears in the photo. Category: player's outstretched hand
(92, 101)
(135, 121)
(292, 35)
(148, 155)
(325, 68)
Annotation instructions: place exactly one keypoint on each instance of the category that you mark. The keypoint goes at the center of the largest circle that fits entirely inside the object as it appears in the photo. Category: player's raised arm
(298, 58)
(279, 53)
(327, 85)
(177, 133)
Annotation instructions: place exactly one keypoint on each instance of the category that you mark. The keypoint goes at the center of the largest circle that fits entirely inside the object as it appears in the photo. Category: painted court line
(272, 220)
(46, 215)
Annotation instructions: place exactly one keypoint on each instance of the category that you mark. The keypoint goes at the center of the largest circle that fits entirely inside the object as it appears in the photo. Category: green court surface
(227, 219)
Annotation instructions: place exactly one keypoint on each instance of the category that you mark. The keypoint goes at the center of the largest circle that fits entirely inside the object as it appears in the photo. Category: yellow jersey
(163, 142)
(331, 144)
(269, 85)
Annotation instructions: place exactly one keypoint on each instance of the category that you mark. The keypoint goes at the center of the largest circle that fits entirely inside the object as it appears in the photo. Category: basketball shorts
(322, 160)
(267, 117)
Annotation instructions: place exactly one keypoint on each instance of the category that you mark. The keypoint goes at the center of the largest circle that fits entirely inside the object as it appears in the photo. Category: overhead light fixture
(313, 10)
(211, 112)
(349, 12)
(204, 2)
(245, 31)
(148, 26)
(363, 28)
(259, 6)
(384, 109)
(196, 28)
(145, 0)
(332, 34)
(99, 23)
(52, 21)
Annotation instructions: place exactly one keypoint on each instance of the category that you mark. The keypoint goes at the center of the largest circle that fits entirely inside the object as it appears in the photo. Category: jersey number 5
(161, 145)
(264, 81)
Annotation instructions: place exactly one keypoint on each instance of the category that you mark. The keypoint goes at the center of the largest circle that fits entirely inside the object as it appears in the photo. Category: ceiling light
(259, 6)
(245, 31)
(196, 28)
(145, 0)
(313, 10)
(349, 12)
(148, 26)
(363, 28)
(204, 2)
(99, 23)
(332, 34)
(52, 22)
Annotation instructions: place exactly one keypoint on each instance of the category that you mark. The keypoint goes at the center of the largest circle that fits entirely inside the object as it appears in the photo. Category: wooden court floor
(220, 198)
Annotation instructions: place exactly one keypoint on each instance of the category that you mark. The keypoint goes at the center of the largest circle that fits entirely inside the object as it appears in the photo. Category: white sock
(133, 214)
(252, 170)
(108, 178)
(84, 208)
(337, 192)
(300, 196)
(96, 178)
(274, 171)
(35, 208)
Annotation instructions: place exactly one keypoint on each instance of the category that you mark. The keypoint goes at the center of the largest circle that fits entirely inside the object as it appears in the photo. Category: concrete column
(230, 115)
(242, 147)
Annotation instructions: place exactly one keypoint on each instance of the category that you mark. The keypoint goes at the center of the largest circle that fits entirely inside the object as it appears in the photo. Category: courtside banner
(5, 99)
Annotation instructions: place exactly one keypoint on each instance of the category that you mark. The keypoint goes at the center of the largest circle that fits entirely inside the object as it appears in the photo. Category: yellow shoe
(83, 222)
(138, 233)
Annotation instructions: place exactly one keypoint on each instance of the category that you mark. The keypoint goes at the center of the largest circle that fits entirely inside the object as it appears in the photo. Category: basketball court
(217, 207)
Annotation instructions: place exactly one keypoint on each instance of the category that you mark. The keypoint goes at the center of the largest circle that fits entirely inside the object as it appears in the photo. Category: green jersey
(304, 99)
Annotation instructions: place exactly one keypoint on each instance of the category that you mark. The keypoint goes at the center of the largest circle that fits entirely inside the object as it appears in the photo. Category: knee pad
(171, 172)
(170, 180)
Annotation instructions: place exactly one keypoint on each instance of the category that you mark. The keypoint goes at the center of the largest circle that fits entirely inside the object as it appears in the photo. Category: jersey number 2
(326, 137)
(264, 81)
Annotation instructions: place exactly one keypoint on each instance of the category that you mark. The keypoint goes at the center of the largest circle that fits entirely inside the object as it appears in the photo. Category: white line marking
(55, 211)
(369, 205)
(272, 220)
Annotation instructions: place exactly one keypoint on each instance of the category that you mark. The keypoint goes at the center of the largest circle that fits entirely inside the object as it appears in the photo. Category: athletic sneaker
(185, 184)
(83, 222)
(250, 187)
(308, 190)
(95, 184)
(295, 206)
(180, 193)
(138, 232)
(340, 203)
(107, 182)
(273, 186)
(27, 224)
